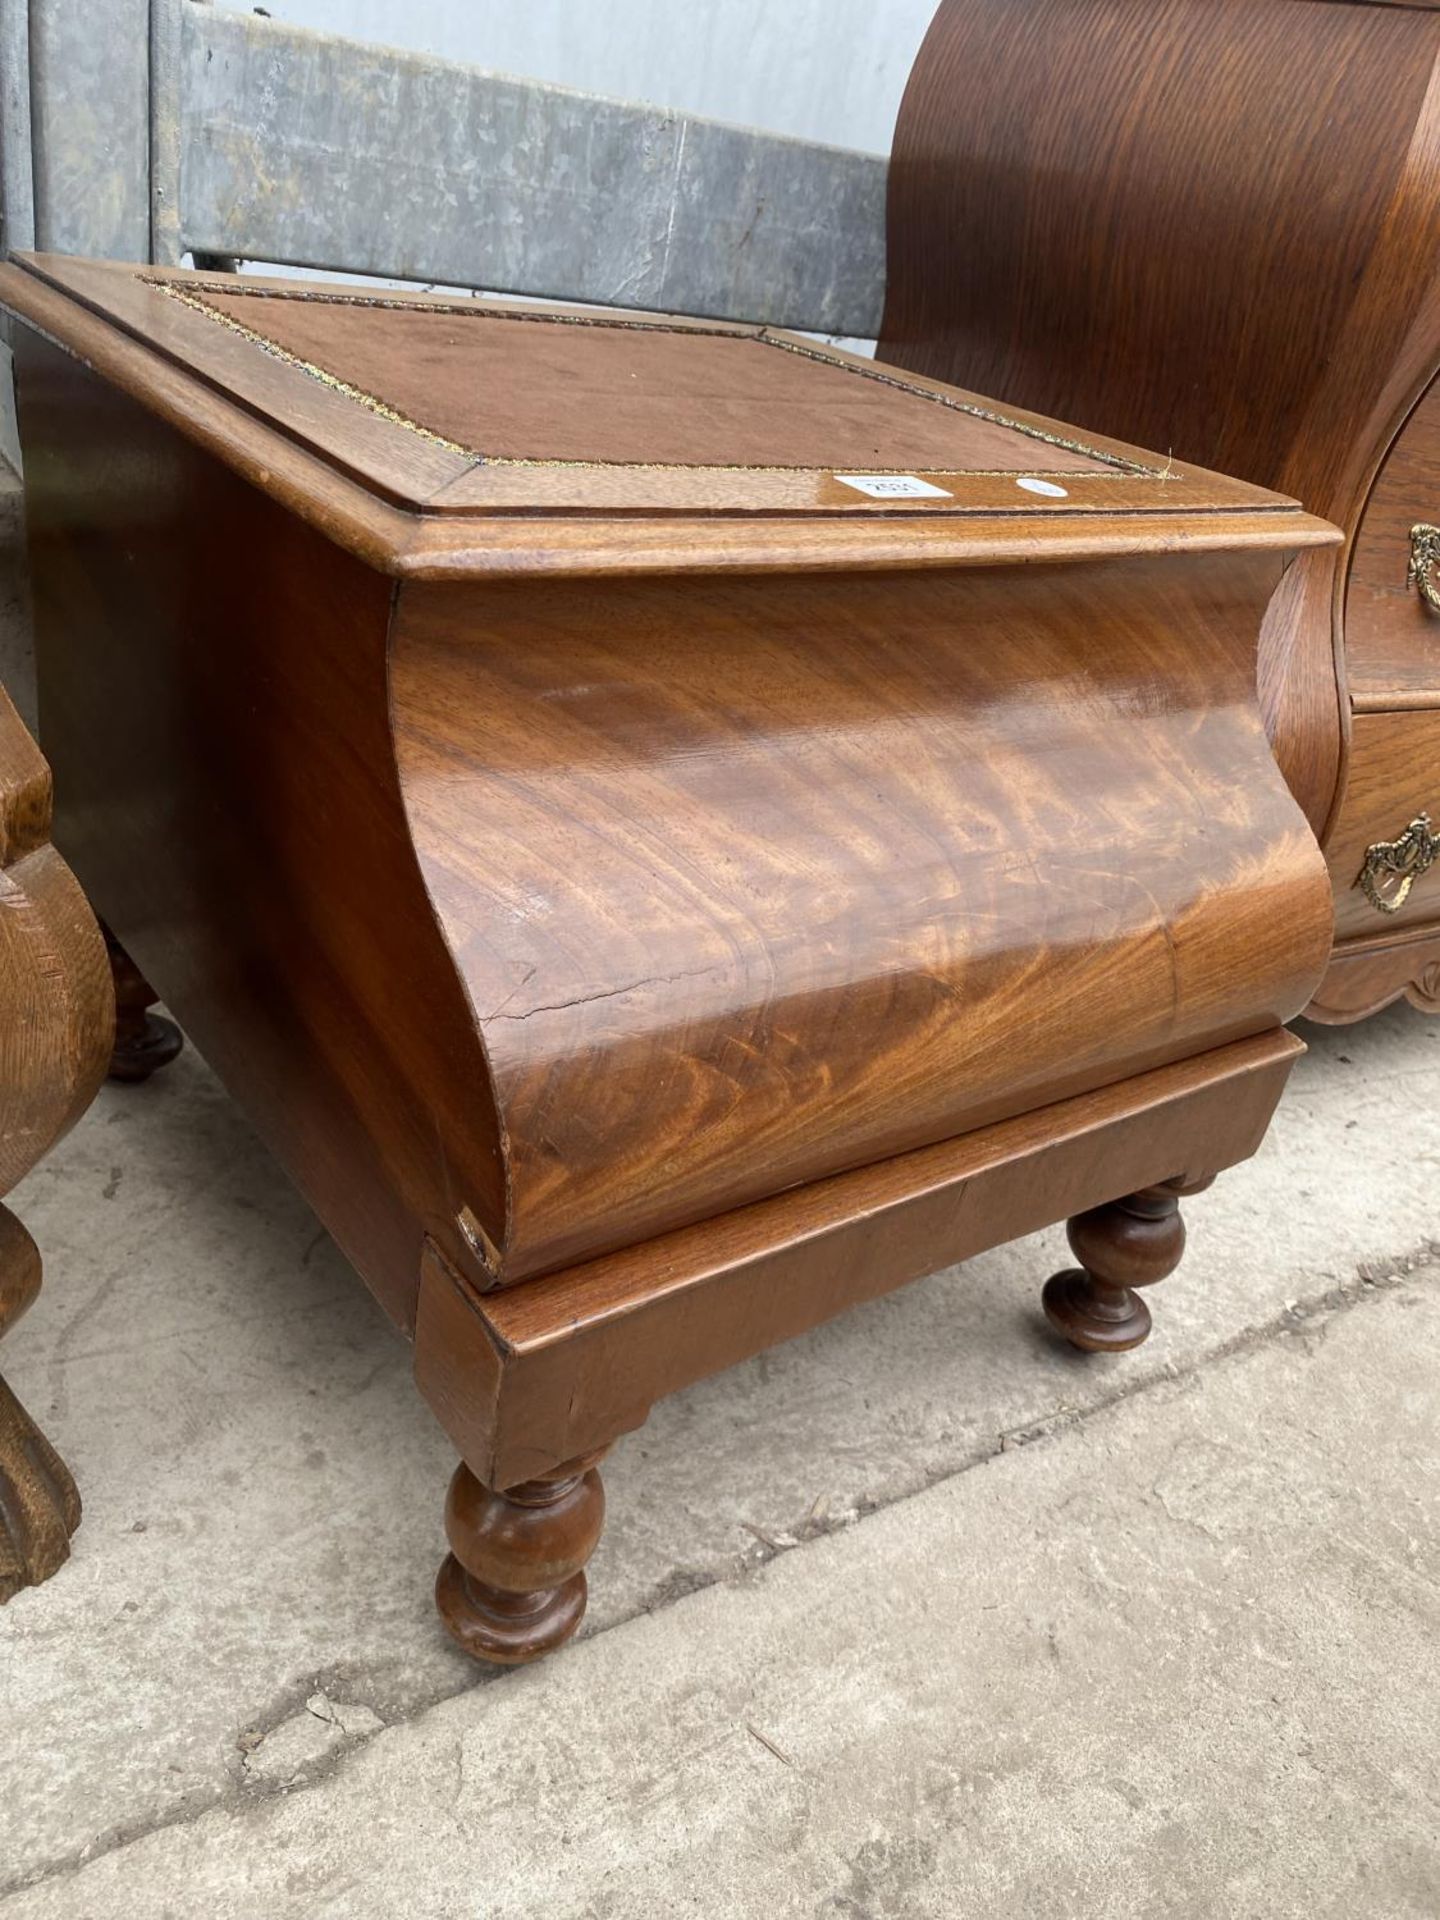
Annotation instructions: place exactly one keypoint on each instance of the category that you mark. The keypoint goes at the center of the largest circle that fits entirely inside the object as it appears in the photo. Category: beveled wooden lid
(457, 410)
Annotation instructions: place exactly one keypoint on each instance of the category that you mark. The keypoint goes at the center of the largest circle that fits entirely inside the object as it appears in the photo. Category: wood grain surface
(56, 1012)
(1392, 638)
(477, 542)
(369, 433)
(748, 886)
(1365, 975)
(1394, 776)
(1149, 215)
(213, 685)
(744, 881)
(39, 1501)
(524, 1379)
(1211, 226)
(677, 923)
(56, 1019)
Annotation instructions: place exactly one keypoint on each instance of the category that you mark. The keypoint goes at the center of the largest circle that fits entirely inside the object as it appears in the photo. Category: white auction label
(1047, 487)
(893, 486)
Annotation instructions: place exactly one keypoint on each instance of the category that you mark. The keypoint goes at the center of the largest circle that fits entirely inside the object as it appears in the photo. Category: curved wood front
(56, 1008)
(753, 882)
(1158, 218)
(1208, 226)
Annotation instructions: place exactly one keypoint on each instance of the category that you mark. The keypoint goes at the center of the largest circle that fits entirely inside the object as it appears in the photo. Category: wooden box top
(441, 435)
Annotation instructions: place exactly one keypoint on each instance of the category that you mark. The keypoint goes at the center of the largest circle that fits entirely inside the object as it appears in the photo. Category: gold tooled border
(1114, 465)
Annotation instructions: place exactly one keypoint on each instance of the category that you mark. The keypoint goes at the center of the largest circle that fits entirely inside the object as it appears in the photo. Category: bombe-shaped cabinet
(1214, 226)
(668, 830)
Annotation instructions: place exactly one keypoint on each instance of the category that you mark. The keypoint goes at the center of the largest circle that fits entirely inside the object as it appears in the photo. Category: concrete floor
(920, 1615)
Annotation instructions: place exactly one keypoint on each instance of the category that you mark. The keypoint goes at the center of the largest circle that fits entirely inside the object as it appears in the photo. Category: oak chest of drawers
(667, 830)
(1213, 226)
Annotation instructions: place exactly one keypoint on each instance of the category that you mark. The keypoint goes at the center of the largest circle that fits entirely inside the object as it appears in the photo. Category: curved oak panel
(752, 886)
(1208, 225)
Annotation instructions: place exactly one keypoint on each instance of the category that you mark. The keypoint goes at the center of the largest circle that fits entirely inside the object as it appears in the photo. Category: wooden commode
(668, 830)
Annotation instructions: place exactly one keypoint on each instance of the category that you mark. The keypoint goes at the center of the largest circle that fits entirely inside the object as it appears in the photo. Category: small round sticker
(1047, 487)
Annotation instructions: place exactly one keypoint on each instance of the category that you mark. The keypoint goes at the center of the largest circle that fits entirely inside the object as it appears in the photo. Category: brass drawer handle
(1424, 558)
(1391, 867)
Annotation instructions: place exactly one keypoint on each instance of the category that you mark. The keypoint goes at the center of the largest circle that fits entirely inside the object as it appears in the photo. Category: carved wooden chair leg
(144, 1041)
(39, 1503)
(1123, 1245)
(514, 1586)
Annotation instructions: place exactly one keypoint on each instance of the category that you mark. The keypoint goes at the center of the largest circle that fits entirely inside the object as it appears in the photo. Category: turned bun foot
(144, 1041)
(513, 1586)
(39, 1504)
(1123, 1245)
(143, 1045)
(1092, 1316)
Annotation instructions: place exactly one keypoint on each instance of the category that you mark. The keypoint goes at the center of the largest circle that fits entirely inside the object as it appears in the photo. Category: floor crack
(1372, 1280)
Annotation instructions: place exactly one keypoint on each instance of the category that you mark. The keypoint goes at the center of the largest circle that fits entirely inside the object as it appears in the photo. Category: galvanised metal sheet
(309, 150)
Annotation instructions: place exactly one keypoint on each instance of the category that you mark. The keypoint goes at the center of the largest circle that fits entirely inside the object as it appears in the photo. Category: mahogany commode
(669, 831)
